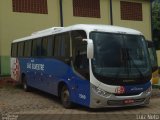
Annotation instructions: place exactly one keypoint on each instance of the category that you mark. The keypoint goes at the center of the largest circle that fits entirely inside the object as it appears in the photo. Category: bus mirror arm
(90, 48)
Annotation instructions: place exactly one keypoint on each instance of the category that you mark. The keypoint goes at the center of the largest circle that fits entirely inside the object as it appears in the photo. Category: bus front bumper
(112, 100)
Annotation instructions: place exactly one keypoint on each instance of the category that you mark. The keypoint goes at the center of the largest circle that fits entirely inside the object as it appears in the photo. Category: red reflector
(128, 101)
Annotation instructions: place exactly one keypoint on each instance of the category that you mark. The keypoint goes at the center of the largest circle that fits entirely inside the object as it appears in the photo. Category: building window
(86, 8)
(30, 6)
(131, 11)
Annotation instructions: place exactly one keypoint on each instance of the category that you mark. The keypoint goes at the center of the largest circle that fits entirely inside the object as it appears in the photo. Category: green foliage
(156, 14)
(156, 23)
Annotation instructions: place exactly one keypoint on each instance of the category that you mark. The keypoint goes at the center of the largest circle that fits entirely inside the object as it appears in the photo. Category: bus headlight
(148, 90)
(100, 91)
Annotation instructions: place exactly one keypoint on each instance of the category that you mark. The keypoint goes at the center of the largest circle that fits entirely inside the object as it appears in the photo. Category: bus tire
(65, 97)
(24, 83)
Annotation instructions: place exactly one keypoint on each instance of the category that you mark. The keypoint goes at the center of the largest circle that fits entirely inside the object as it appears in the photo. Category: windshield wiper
(126, 60)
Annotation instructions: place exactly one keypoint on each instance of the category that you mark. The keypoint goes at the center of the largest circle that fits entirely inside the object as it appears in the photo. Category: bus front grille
(127, 94)
(121, 102)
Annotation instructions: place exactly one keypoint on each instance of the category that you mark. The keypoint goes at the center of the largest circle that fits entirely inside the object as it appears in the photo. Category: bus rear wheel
(24, 83)
(65, 97)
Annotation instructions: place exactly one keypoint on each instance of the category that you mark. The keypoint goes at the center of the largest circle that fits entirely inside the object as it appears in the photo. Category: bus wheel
(65, 97)
(24, 83)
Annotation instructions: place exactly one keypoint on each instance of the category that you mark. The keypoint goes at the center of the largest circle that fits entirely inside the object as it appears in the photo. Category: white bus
(92, 65)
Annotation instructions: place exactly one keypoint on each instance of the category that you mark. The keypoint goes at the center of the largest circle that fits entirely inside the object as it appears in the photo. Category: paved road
(17, 104)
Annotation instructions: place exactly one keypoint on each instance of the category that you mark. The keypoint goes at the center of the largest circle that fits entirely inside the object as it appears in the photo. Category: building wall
(69, 19)
(15, 25)
(143, 26)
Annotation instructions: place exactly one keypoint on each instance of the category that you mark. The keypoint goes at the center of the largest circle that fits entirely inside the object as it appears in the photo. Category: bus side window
(62, 45)
(27, 48)
(36, 47)
(20, 49)
(79, 53)
(57, 46)
(50, 49)
(14, 50)
(44, 46)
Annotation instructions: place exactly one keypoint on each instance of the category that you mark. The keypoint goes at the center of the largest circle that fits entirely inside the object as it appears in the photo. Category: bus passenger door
(80, 67)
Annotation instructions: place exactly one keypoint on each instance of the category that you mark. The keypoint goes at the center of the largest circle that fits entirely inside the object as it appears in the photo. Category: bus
(95, 66)
(153, 59)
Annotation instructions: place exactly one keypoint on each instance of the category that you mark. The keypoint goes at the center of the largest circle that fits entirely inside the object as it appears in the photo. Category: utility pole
(111, 14)
(61, 12)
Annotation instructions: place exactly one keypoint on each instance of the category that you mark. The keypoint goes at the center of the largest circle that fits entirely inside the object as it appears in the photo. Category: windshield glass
(119, 56)
(153, 56)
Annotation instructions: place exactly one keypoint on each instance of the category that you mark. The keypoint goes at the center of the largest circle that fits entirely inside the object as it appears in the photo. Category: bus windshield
(120, 56)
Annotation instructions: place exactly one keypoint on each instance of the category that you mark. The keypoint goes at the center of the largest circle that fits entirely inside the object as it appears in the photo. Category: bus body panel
(46, 74)
(82, 91)
(15, 69)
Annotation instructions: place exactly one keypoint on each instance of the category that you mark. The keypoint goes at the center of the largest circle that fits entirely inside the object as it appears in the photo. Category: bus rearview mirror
(90, 48)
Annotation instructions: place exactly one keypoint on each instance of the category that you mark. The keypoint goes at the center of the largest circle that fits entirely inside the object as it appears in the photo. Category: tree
(156, 23)
(156, 14)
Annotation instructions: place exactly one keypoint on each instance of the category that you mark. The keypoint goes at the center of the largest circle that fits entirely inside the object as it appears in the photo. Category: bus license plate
(128, 101)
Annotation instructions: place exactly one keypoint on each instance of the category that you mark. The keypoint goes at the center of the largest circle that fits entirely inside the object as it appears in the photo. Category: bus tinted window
(62, 45)
(44, 46)
(14, 50)
(50, 50)
(36, 47)
(20, 49)
(27, 48)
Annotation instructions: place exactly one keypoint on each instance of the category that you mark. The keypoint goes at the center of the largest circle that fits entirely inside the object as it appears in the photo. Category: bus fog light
(98, 101)
(100, 91)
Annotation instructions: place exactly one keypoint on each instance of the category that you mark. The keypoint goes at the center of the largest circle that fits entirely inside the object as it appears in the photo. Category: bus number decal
(82, 96)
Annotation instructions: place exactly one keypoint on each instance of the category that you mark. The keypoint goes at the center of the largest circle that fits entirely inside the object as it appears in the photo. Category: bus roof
(85, 27)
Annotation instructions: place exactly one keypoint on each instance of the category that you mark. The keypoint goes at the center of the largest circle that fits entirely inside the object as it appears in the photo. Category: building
(19, 18)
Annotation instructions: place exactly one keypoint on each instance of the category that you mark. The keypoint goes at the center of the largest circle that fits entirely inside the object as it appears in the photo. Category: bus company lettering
(34, 66)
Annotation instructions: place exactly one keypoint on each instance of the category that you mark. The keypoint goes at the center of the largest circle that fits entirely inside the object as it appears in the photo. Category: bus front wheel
(65, 97)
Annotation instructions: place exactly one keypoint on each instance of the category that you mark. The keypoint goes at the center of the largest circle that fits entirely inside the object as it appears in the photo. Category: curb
(4, 81)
